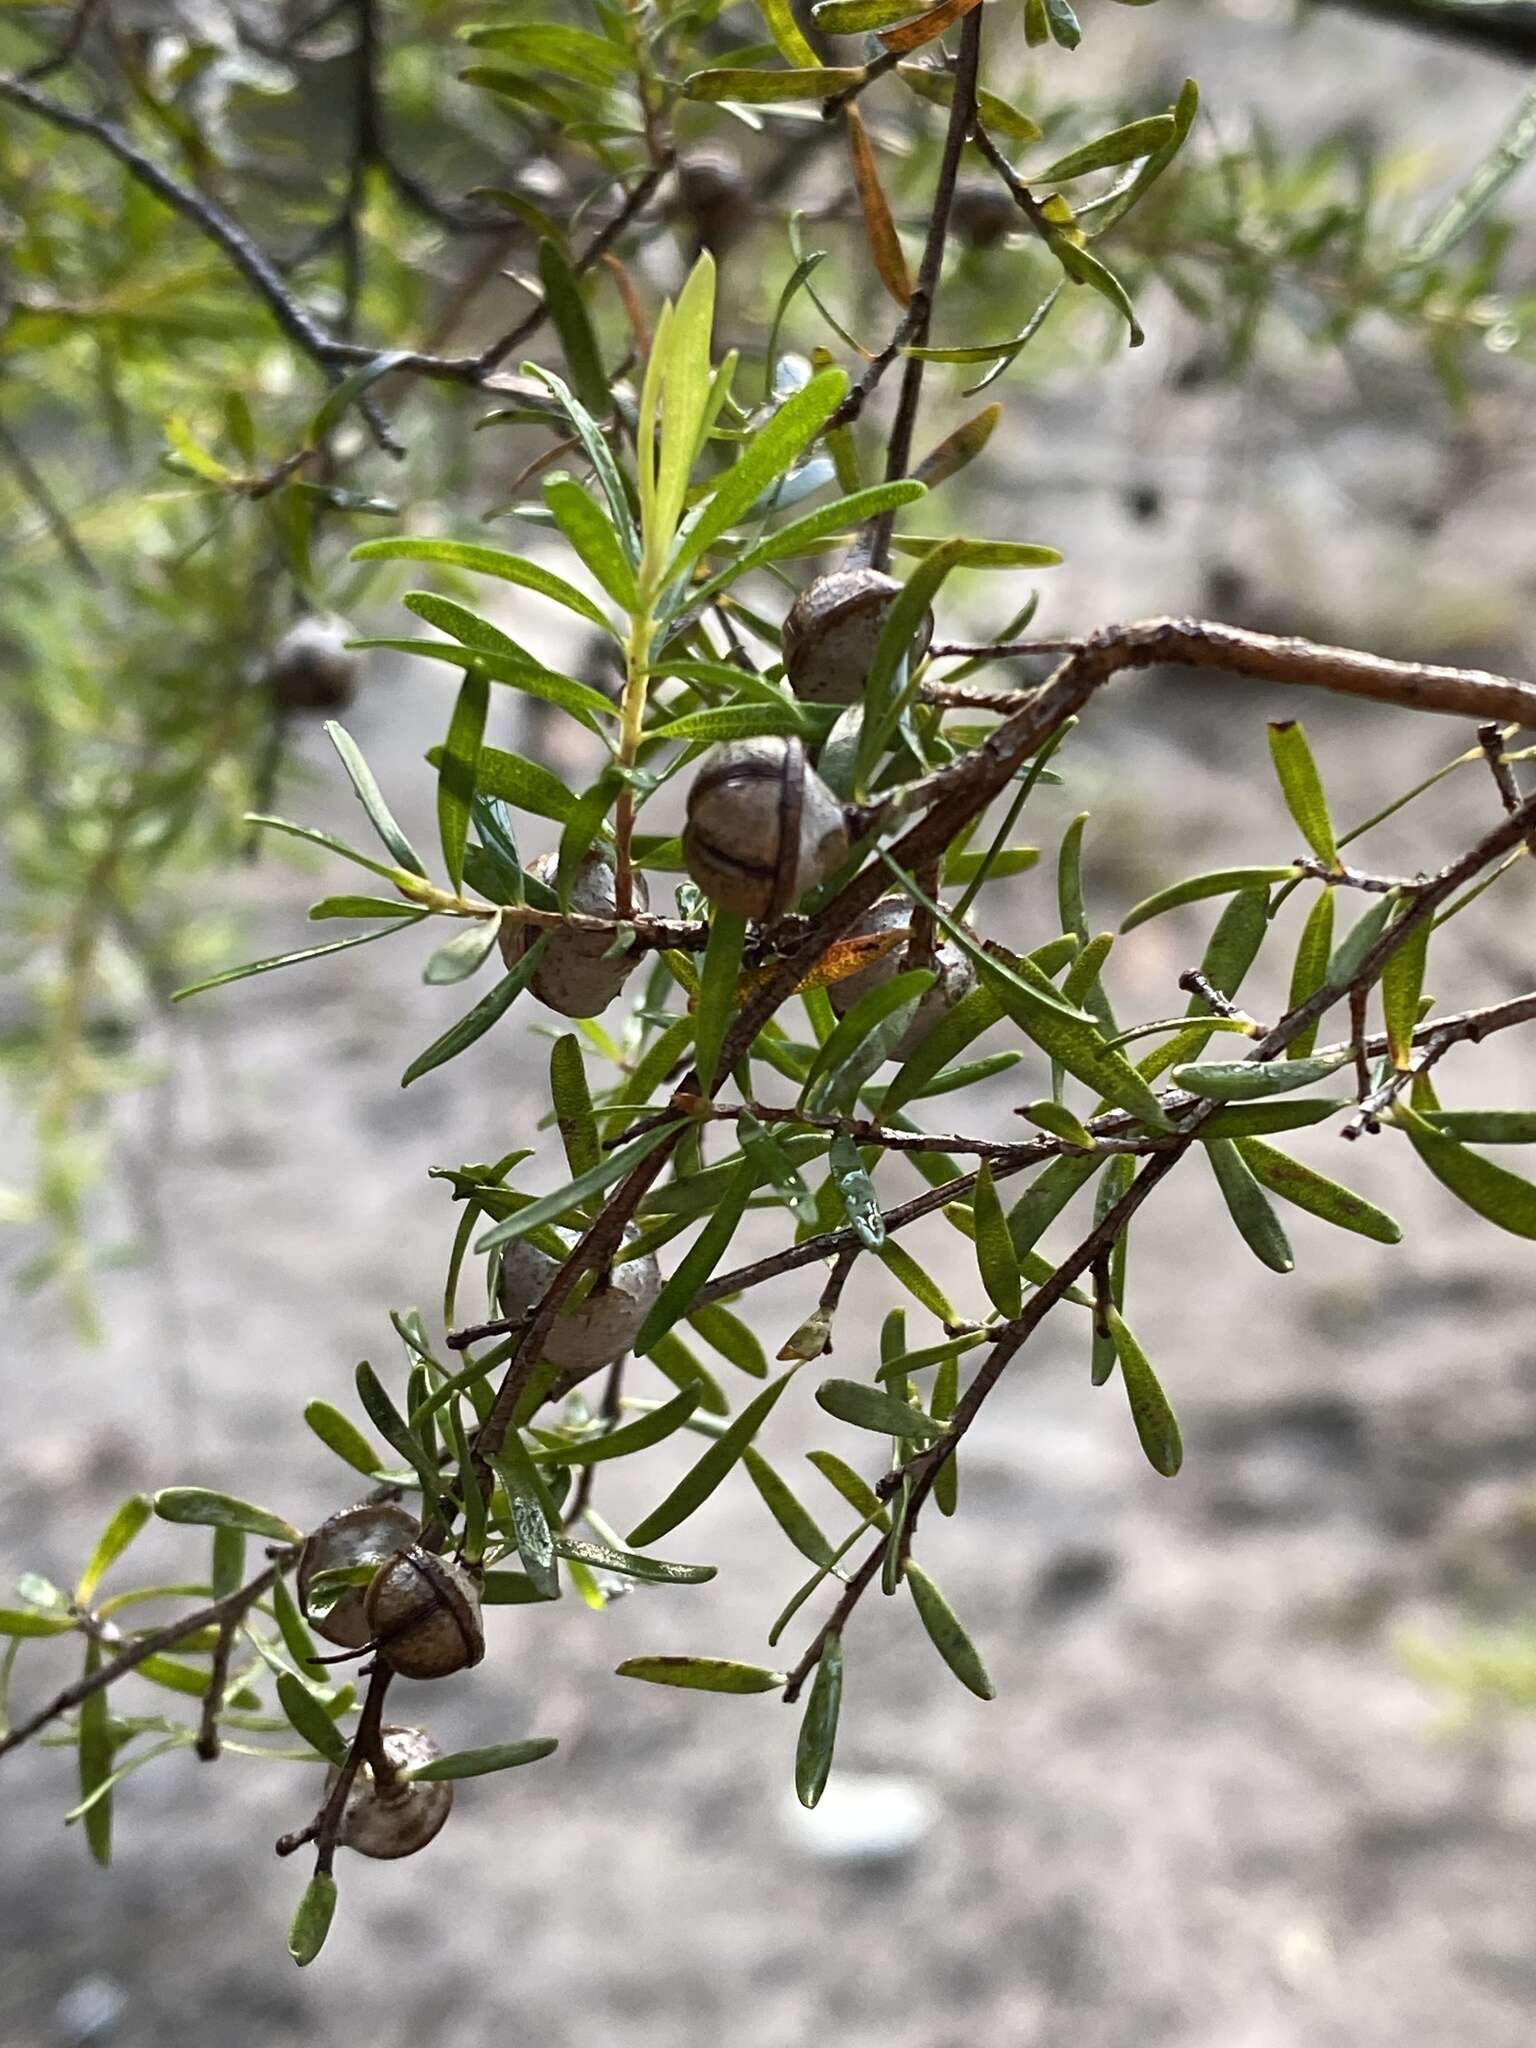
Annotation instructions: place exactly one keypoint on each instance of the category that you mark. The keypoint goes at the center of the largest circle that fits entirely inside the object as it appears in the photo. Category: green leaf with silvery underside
(701, 1674)
(462, 955)
(533, 1514)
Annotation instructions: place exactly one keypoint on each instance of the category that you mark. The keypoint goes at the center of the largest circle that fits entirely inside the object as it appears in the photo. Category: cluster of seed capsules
(762, 829)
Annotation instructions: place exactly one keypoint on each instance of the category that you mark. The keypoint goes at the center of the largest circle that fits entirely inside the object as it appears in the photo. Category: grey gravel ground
(1211, 1807)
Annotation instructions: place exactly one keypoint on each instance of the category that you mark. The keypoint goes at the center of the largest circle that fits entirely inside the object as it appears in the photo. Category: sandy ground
(1211, 1808)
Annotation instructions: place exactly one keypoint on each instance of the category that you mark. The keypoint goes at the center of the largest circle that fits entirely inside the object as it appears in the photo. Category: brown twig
(148, 1645)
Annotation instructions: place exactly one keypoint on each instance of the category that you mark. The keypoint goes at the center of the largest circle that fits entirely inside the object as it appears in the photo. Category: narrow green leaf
(533, 1514)
(1503, 162)
(867, 1407)
(1249, 1206)
(476, 1022)
(360, 906)
(1045, 1198)
(457, 776)
(1085, 268)
(1120, 146)
(799, 536)
(918, 1282)
(251, 967)
(860, 1496)
(393, 1427)
(21, 1621)
(947, 1635)
(697, 1485)
(371, 797)
(786, 32)
(716, 1009)
(1302, 787)
(863, 1037)
(462, 955)
(310, 1719)
(1402, 987)
(312, 1922)
(731, 1337)
(221, 1510)
(798, 1524)
(701, 1674)
(1156, 1424)
(572, 1102)
(93, 1737)
(592, 536)
(955, 1030)
(818, 1726)
(1493, 1192)
(775, 1166)
(856, 1191)
(1252, 1080)
(479, 1763)
(684, 1284)
(567, 310)
(650, 1428)
(1219, 882)
(1315, 1193)
(651, 1571)
(1485, 1126)
(483, 561)
(1263, 1119)
(112, 1542)
(343, 1437)
(1311, 970)
(760, 88)
(994, 1250)
(1347, 955)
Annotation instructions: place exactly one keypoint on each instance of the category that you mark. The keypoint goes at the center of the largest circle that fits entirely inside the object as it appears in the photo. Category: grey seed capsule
(574, 977)
(397, 1819)
(312, 668)
(832, 630)
(762, 827)
(602, 1327)
(956, 974)
(365, 1534)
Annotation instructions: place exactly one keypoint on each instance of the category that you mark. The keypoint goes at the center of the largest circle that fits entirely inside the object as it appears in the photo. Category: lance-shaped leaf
(516, 781)
(463, 955)
(312, 1922)
(955, 1030)
(550, 1208)
(567, 310)
(1485, 1126)
(1001, 116)
(818, 1725)
(1402, 988)
(311, 1720)
(677, 1296)
(1219, 882)
(112, 1542)
(994, 1249)
(222, 1510)
(696, 1485)
(1492, 1191)
(775, 1166)
(798, 1524)
(1156, 1424)
(251, 967)
(1302, 787)
(1318, 1195)
(1262, 1119)
(1253, 1080)
(1249, 1206)
(701, 1674)
(1313, 951)
(592, 535)
(647, 1429)
(947, 1634)
(93, 1741)
(862, 1039)
(533, 1512)
(479, 1763)
(716, 1007)
(1085, 268)
(731, 1337)
(572, 1102)
(476, 1022)
(629, 1564)
(959, 448)
(759, 88)
(867, 1407)
(456, 780)
(917, 1280)
(856, 1191)
(1045, 1198)
(1351, 950)
(786, 32)
(371, 798)
(483, 561)
(1119, 146)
